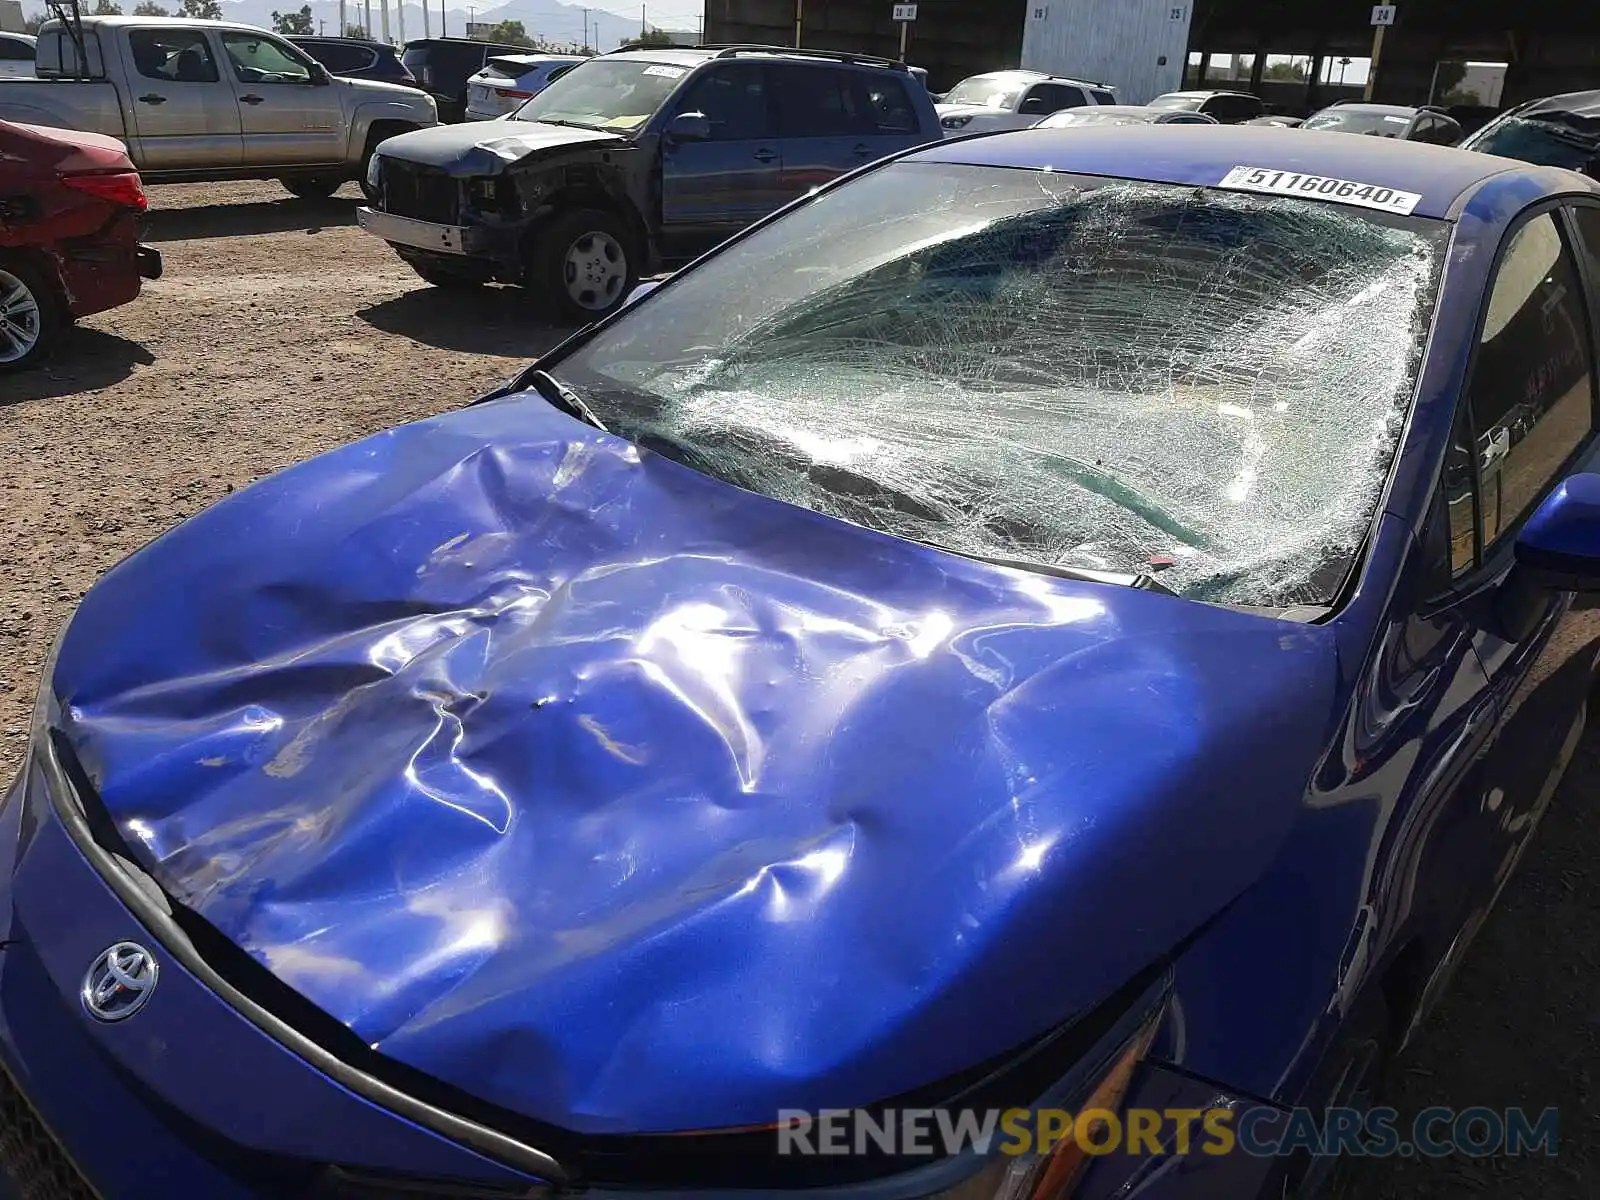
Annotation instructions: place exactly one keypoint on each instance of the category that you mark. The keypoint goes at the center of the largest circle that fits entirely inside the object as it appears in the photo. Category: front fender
(415, 114)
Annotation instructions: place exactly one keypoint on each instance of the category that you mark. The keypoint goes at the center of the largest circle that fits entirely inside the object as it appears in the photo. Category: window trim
(1489, 562)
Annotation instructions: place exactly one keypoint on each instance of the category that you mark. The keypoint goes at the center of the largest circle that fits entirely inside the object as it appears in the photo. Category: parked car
(443, 66)
(17, 52)
(197, 100)
(834, 678)
(510, 79)
(1402, 121)
(1557, 131)
(70, 205)
(1014, 100)
(356, 58)
(1121, 114)
(634, 160)
(1276, 121)
(1228, 108)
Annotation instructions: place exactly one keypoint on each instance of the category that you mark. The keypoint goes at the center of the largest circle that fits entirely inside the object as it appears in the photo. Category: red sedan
(70, 206)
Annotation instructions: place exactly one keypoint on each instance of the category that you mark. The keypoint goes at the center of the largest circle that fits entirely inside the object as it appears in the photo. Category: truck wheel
(443, 277)
(583, 265)
(30, 316)
(311, 189)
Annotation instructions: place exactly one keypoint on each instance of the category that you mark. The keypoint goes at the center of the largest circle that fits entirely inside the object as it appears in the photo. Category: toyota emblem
(120, 982)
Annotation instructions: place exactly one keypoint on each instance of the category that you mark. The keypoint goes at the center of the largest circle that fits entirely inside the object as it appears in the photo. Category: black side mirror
(1033, 105)
(689, 127)
(320, 76)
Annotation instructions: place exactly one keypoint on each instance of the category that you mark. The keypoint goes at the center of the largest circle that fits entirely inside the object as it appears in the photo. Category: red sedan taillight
(115, 187)
(512, 95)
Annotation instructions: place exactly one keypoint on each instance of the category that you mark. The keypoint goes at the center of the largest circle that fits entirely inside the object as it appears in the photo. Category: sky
(666, 14)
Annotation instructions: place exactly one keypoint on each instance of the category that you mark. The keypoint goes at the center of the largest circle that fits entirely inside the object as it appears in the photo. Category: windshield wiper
(562, 397)
(560, 121)
(1138, 580)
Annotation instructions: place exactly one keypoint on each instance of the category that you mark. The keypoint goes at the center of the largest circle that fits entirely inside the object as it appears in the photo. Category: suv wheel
(583, 265)
(29, 316)
(311, 188)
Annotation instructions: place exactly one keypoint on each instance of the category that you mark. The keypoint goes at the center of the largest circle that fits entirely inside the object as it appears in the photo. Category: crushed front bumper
(464, 240)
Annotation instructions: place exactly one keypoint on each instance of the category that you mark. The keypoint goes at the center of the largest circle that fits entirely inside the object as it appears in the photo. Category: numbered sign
(1383, 14)
(904, 12)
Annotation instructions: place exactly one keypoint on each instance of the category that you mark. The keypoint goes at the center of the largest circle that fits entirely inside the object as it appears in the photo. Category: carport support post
(799, 12)
(343, 28)
(905, 30)
(1372, 68)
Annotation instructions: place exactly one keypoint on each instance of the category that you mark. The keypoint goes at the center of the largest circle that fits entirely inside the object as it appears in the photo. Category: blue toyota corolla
(1060, 616)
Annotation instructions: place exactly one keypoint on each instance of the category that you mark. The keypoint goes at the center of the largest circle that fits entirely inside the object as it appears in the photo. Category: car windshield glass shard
(1074, 373)
(619, 94)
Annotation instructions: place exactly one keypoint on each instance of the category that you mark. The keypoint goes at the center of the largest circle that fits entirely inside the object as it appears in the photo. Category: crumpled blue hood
(632, 801)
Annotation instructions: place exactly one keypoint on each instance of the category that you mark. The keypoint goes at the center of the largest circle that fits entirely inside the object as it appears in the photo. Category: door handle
(862, 151)
(152, 98)
(764, 156)
(250, 99)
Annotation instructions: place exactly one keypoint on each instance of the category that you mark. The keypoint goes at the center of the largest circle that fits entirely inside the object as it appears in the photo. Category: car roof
(1358, 106)
(1207, 95)
(1202, 155)
(1583, 104)
(364, 43)
(1021, 73)
(1114, 110)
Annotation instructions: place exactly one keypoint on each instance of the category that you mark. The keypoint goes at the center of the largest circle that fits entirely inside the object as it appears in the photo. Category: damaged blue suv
(632, 161)
(1069, 618)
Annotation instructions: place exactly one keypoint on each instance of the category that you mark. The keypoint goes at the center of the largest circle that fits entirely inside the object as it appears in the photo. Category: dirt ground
(280, 330)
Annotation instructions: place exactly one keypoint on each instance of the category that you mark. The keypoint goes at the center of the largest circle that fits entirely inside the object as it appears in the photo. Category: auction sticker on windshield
(1320, 187)
(666, 72)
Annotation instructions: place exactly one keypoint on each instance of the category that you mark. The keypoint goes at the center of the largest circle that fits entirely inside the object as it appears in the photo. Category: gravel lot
(280, 330)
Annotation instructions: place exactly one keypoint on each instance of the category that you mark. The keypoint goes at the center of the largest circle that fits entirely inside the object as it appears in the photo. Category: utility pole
(426, 21)
(343, 28)
(369, 17)
(799, 10)
(586, 27)
(641, 21)
(400, 16)
(383, 6)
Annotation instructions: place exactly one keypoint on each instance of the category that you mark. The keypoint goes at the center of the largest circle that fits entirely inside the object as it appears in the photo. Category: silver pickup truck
(198, 100)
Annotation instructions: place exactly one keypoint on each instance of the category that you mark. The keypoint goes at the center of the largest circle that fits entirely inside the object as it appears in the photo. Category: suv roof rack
(734, 49)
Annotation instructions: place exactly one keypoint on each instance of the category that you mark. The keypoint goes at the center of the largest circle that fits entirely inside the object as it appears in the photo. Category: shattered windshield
(617, 93)
(1547, 139)
(989, 91)
(1069, 372)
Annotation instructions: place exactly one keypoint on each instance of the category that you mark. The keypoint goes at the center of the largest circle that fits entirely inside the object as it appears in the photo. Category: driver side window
(733, 100)
(257, 59)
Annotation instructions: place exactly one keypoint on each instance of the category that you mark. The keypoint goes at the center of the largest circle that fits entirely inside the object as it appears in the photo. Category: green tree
(1285, 72)
(352, 30)
(201, 10)
(654, 39)
(510, 33)
(295, 22)
(105, 8)
(149, 8)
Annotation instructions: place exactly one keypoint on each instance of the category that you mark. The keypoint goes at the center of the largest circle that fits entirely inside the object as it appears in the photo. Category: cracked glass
(1066, 372)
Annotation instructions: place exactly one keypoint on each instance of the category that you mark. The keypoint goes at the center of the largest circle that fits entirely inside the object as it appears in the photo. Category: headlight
(1055, 1175)
(956, 122)
(374, 170)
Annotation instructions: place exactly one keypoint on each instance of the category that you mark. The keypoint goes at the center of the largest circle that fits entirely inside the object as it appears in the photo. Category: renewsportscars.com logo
(1259, 1131)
